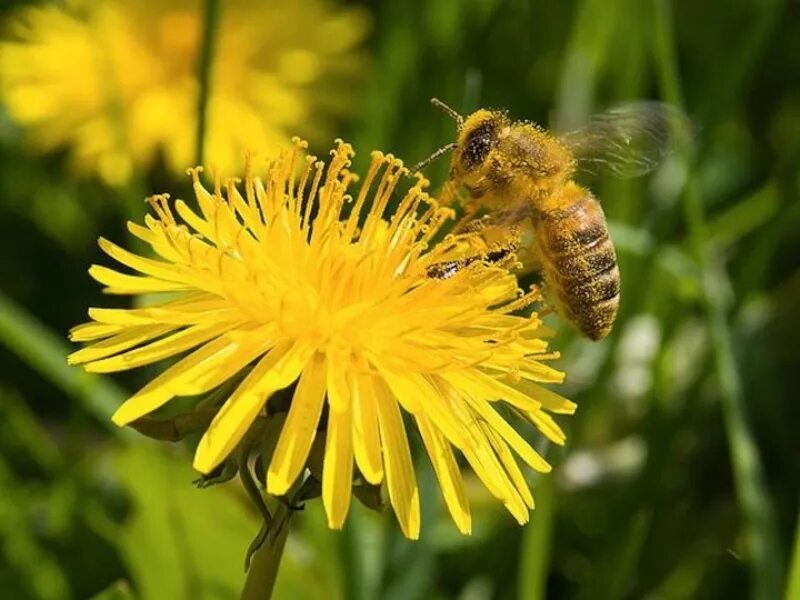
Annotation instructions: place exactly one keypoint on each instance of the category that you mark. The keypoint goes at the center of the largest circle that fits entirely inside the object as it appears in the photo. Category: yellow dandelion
(117, 80)
(278, 280)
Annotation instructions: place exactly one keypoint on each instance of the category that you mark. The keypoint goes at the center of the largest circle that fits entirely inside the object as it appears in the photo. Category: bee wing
(628, 140)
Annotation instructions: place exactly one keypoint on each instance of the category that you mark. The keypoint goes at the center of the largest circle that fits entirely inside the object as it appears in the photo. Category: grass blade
(46, 353)
(759, 525)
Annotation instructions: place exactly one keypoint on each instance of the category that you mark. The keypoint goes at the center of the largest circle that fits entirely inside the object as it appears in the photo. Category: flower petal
(337, 471)
(366, 439)
(202, 370)
(86, 332)
(547, 425)
(299, 429)
(415, 391)
(551, 401)
(509, 434)
(510, 464)
(165, 347)
(128, 338)
(122, 283)
(400, 478)
(338, 388)
(279, 368)
(448, 473)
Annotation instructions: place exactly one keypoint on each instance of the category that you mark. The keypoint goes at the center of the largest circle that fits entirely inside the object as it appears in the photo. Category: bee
(525, 177)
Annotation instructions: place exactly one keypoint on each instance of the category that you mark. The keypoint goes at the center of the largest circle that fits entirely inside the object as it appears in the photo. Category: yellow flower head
(117, 80)
(278, 279)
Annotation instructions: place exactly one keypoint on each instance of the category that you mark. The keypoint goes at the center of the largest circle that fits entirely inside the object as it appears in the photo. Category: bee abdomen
(581, 264)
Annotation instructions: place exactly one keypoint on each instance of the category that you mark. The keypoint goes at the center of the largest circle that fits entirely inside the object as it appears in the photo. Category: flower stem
(263, 570)
(204, 74)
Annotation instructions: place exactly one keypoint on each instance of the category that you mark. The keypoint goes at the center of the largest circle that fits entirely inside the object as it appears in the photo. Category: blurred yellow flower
(117, 80)
(346, 308)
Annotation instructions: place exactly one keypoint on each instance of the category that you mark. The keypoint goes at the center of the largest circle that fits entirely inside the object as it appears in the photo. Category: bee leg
(533, 263)
(467, 222)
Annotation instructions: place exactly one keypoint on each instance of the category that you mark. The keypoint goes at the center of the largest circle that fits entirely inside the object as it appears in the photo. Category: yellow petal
(197, 373)
(510, 464)
(400, 478)
(533, 370)
(148, 266)
(547, 425)
(483, 386)
(448, 473)
(338, 388)
(192, 277)
(299, 429)
(122, 341)
(487, 467)
(366, 439)
(418, 392)
(409, 389)
(279, 368)
(178, 315)
(171, 345)
(121, 283)
(485, 463)
(509, 434)
(337, 472)
(550, 400)
(85, 332)
(197, 223)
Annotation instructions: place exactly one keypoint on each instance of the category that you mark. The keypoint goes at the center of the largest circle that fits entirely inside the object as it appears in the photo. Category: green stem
(534, 561)
(761, 533)
(263, 570)
(204, 74)
(45, 352)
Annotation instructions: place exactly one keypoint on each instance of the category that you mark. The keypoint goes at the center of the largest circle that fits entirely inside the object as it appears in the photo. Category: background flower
(117, 80)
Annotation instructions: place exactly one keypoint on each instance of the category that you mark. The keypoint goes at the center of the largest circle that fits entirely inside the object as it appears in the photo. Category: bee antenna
(443, 150)
(456, 117)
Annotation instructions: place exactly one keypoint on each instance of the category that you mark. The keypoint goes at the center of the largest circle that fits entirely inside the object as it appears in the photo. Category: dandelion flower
(117, 80)
(276, 279)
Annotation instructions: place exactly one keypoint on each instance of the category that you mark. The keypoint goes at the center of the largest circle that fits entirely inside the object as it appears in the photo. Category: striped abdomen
(579, 262)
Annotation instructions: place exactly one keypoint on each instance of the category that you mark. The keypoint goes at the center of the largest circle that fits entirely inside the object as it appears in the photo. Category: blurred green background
(680, 474)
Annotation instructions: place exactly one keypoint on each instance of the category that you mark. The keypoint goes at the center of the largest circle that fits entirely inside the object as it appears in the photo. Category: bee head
(477, 137)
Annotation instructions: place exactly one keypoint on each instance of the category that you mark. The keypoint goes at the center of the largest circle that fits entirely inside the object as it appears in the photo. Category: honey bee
(525, 177)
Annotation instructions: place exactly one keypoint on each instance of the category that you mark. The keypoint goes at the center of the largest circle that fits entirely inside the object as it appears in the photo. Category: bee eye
(477, 145)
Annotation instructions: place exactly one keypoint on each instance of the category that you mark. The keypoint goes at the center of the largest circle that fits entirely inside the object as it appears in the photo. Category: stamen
(194, 172)
(312, 196)
(522, 302)
(385, 190)
(160, 204)
(248, 181)
(303, 181)
(299, 146)
(355, 214)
